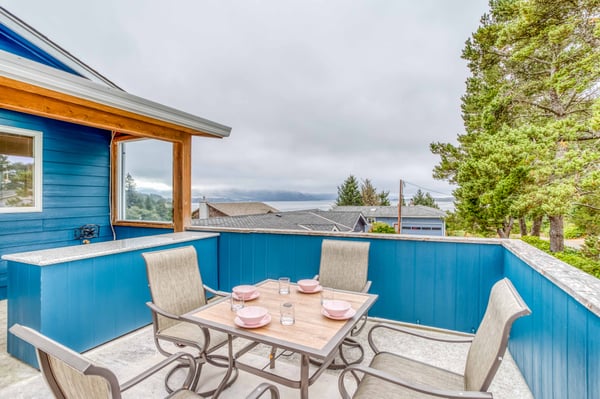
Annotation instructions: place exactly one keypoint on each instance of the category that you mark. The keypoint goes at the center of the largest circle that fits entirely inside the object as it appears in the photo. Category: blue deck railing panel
(556, 347)
(440, 284)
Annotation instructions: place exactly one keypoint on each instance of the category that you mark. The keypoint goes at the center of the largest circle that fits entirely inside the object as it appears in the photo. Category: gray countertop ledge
(583, 287)
(53, 256)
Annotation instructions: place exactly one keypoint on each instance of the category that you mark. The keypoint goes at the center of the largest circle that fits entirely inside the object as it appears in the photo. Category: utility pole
(400, 208)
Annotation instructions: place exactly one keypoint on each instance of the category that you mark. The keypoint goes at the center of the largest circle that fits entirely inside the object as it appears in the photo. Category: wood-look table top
(312, 333)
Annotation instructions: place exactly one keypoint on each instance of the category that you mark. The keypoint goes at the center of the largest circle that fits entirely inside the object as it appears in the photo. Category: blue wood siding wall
(433, 283)
(85, 303)
(557, 347)
(15, 44)
(76, 171)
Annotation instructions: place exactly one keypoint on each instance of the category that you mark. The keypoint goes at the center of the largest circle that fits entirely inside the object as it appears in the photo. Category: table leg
(304, 377)
(230, 366)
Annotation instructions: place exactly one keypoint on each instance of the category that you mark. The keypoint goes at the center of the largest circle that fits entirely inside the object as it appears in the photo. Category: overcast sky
(314, 90)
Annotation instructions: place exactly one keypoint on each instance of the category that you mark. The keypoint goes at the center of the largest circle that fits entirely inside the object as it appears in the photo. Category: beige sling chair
(70, 375)
(393, 376)
(176, 288)
(344, 266)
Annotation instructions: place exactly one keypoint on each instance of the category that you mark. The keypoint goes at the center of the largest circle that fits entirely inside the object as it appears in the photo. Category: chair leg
(199, 363)
(335, 365)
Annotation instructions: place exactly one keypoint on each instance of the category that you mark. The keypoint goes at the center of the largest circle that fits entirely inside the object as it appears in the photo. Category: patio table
(312, 335)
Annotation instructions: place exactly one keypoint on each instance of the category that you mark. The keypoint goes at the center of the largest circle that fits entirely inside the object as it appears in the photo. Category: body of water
(324, 205)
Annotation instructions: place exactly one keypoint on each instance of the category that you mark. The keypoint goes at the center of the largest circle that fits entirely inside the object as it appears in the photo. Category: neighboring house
(63, 126)
(221, 209)
(416, 219)
(309, 220)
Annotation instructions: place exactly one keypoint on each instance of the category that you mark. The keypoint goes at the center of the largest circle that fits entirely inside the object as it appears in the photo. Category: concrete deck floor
(131, 354)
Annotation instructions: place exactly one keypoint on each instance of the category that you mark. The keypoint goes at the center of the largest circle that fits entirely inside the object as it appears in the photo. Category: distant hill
(262, 195)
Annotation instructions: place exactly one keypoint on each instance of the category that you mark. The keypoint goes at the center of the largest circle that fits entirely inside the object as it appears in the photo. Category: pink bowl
(252, 314)
(308, 284)
(244, 291)
(336, 307)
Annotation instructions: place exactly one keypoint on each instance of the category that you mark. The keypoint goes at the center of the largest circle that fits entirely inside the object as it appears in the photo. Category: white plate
(318, 289)
(348, 315)
(254, 295)
(266, 320)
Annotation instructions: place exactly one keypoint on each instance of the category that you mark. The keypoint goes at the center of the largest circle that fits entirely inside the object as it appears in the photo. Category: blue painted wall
(440, 284)
(13, 43)
(76, 171)
(85, 303)
(557, 347)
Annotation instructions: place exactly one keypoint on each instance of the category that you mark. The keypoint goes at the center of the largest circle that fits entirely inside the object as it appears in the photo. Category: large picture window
(145, 181)
(20, 170)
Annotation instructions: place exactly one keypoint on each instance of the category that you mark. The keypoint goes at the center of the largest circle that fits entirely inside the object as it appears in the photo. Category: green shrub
(380, 227)
(573, 232)
(571, 256)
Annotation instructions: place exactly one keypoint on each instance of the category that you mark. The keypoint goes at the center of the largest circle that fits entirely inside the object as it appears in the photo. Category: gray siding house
(416, 219)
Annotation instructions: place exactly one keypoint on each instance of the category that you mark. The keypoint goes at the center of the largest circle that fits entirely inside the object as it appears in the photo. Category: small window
(20, 170)
(145, 181)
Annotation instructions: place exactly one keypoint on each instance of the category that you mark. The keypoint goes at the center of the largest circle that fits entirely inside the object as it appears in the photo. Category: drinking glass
(237, 303)
(327, 294)
(284, 285)
(287, 314)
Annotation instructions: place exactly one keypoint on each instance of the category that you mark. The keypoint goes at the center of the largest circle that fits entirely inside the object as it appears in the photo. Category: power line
(427, 189)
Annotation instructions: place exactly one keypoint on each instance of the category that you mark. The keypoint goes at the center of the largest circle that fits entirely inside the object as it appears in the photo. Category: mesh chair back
(489, 344)
(344, 264)
(175, 282)
(67, 373)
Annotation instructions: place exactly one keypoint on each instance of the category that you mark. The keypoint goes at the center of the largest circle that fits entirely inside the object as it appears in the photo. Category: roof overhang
(33, 88)
(40, 41)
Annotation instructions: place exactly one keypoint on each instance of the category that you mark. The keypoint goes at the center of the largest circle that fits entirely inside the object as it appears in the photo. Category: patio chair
(344, 266)
(176, 288)
(393, 376)
(71, 375)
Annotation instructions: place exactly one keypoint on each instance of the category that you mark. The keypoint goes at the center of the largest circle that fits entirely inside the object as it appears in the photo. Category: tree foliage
(531, 116)
(349, 194)
(421, 198)
(143, 206)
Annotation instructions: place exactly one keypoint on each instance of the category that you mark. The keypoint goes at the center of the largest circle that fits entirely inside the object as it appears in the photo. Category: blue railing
(440, 282)
(446, 283)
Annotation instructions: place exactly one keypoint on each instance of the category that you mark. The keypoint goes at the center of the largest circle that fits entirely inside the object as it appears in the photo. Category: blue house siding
(15, 44)
(76, 172)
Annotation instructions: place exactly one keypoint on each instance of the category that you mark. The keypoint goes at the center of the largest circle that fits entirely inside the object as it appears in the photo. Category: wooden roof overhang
(36, 89)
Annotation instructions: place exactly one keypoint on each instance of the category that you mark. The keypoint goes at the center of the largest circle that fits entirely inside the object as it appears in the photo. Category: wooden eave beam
(30, 99)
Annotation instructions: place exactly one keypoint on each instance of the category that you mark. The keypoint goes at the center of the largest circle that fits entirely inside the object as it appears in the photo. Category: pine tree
(348, 193)
(369, 193)
(425, 199)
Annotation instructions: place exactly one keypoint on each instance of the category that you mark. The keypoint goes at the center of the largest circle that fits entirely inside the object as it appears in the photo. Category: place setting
(335, 309)
(309, 286)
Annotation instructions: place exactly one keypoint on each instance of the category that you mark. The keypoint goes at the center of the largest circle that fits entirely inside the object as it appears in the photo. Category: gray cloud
(313, 90)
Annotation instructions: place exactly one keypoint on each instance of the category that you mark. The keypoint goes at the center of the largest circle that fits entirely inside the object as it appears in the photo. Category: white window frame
(37, 169)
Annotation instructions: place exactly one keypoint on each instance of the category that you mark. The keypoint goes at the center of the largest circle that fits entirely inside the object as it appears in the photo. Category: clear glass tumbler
(284, 285)
(237, 302)
(287, 317)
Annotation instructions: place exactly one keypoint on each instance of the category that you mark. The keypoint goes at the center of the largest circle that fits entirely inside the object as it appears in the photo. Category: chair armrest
(316, 277)
(367, 287)
(261, 389)
(215, 292)
(162, 312)
(159, 366)
(461, 340)
(385, 376)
